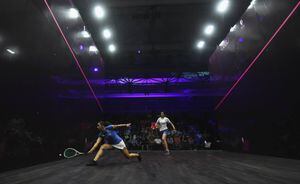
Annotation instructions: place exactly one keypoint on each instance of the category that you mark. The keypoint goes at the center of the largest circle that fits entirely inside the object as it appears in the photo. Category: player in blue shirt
(111, 140)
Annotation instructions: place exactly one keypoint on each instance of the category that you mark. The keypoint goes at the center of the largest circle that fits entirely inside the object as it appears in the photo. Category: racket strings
(68, 153)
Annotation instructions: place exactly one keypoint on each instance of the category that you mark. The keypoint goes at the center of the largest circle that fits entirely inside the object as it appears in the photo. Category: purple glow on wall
(186, 79)
(139, 81)
(241, 40)
(79, 95)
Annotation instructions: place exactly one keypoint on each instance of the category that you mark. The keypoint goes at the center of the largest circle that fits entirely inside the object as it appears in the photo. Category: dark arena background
(224, 72)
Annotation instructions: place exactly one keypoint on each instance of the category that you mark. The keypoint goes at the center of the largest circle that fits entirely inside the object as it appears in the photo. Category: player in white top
(162, 124)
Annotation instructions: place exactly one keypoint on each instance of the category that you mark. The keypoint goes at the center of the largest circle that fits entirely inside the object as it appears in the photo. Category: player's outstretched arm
(121, 125)
(95, 145)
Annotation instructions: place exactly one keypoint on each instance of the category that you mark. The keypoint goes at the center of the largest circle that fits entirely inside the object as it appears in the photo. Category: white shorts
(121, 145)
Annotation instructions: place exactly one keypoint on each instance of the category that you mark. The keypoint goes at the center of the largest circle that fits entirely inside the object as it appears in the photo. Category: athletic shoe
(167, 153)
(91, 163)
(139, 157)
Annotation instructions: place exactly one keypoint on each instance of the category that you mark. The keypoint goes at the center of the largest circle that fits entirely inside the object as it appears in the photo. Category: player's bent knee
(127, 156)
(102, 148)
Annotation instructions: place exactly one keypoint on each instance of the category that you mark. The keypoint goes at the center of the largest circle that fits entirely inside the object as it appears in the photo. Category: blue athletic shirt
(110, 136)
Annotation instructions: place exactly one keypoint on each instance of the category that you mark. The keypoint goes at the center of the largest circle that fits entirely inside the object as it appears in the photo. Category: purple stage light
(96, 69)
(81, 47)
(139, 51)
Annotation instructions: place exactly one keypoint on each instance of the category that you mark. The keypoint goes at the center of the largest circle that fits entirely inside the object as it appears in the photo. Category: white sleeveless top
(163, 123)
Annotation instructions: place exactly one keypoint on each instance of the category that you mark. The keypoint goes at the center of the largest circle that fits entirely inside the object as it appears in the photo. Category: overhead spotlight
(11, 51)
(223, 44)
(73, 13)
(233, 28)
(200, 44)
(85, 34)
(252, 4)
(99, 12)
(242, 24)
(93, 48)
(112, 48)
(96, 69)
(223, 6)
(209, 29)
(106, 33)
